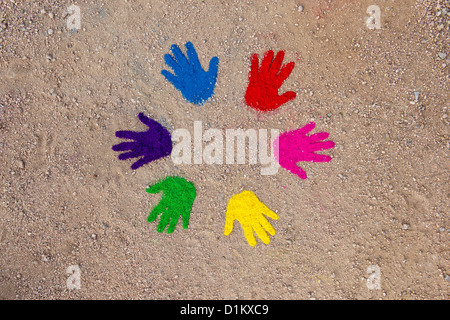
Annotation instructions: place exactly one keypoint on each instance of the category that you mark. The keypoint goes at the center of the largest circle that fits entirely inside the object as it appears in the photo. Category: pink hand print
(295, 146)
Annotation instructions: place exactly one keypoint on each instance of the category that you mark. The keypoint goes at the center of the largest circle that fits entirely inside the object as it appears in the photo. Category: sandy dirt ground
(381, 204)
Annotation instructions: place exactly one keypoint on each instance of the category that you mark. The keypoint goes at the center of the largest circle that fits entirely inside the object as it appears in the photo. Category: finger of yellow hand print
(248, 210)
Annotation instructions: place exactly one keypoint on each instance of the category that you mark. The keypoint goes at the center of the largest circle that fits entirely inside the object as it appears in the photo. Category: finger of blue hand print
(192, 55)
(213, 69)
(195, 84)
(170, 61)
(179, 57)
(177, 83)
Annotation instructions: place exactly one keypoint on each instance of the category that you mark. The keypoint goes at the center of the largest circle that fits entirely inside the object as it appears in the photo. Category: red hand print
(264, 82)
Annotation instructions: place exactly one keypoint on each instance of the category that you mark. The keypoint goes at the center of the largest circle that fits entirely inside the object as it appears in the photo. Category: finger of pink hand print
(294, 146)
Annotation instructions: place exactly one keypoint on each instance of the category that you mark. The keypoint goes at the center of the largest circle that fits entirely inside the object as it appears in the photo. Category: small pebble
(442, 55)
(416, 95)
(50, 31)
(300, 8)
(405, 226)
(21, 164)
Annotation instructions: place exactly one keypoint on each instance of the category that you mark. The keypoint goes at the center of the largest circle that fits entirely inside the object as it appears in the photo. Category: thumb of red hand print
(265, 81)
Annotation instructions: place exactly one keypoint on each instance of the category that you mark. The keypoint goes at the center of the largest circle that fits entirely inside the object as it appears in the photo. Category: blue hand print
(151, 145)
(195, 84)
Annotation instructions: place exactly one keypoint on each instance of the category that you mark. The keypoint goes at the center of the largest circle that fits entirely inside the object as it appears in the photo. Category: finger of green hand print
(178, 197)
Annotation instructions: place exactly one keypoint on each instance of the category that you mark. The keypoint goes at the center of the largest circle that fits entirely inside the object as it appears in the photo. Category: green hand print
(178, 197)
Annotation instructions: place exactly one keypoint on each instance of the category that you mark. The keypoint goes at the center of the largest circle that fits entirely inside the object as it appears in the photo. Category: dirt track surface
(67, 200)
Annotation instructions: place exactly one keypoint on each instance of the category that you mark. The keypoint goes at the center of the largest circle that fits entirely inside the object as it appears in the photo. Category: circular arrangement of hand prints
(229, 114)
(197, 86)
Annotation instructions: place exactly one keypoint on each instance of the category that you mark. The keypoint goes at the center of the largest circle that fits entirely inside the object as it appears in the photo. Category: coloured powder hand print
(266, 80)
(150, 145)
(195, 84)
(178, 197)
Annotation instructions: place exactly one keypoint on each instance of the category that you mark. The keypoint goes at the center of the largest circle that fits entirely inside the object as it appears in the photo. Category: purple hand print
(153, 144)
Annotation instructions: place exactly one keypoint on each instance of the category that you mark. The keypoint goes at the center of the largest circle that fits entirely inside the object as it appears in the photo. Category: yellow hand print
(248, 210)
